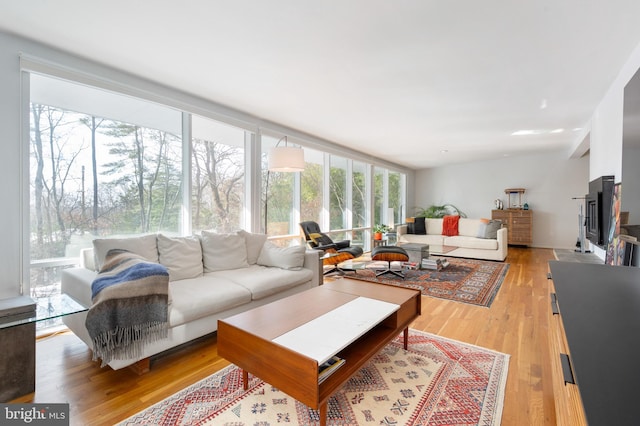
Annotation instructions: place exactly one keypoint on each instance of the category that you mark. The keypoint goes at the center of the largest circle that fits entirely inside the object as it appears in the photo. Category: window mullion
(186, 225)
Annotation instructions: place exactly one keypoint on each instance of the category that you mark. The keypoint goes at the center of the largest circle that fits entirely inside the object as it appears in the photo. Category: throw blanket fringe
(130, 306)
(127, 342)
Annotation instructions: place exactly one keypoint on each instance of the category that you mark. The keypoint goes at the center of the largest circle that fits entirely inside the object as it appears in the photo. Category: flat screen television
(598, 210)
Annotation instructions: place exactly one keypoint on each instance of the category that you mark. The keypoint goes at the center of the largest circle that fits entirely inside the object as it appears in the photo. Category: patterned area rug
(436, 382)
(465, 280)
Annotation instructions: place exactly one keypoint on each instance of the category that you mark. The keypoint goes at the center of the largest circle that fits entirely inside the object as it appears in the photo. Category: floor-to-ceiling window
(379, 202)
(389, 189)
(217, 175)
(359, 202)
(105, 164)
(396, 198)
(279, 211)
(101, 164)
(311, 186)
(338, 201)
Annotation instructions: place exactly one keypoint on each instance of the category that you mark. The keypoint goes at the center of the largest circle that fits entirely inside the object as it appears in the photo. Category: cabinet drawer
(500, 216)
(520, 239)
(520, 234)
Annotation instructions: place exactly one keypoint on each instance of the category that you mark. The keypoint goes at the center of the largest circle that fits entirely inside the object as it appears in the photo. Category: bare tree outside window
(103, 164)
(134, 185)
(217, 185)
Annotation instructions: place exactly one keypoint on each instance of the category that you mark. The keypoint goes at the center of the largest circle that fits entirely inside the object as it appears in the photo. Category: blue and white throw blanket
(130, 306)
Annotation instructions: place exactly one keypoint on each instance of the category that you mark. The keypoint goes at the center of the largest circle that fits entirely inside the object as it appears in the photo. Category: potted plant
(435, 211)
(378, 230)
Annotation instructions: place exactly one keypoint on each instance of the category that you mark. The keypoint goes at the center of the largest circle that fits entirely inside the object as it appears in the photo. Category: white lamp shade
(390, 219)
(286, 159)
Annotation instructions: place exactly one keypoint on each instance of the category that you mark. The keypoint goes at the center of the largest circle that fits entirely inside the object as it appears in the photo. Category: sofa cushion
(223, 251)
(469, 227)
(282, 257)
(181, 255)
(489, 228)
(434, 226)
(419, 226)
(254, 243)
(437, 240)
(410, 225)
(195, 298)
(450, 225)
(143, 245)
(263, 281)
(471, 242)
(76, 282)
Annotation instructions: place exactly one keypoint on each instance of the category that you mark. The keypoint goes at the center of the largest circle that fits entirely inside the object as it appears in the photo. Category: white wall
(10, 191)
(606, 125)
(550, 179)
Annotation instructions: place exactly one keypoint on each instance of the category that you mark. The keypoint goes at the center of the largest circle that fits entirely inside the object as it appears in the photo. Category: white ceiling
(403, 80)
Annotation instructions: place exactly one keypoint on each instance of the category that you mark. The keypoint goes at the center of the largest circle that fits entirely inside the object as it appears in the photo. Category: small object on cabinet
(516, 202)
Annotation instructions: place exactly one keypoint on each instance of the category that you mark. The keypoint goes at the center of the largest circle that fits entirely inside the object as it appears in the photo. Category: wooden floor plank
(516, 323)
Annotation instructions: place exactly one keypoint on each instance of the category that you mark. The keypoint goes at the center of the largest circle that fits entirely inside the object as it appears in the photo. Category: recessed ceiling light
(526, 132)
(444, 151)
(557, 131)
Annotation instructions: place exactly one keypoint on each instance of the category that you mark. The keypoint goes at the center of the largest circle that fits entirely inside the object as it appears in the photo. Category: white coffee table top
(325, 336)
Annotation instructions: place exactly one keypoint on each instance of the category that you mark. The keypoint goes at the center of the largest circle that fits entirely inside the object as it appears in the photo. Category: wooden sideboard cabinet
(519, 224)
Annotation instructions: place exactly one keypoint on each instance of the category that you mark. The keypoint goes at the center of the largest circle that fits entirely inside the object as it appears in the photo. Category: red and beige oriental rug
(436, 382)
(465, 280)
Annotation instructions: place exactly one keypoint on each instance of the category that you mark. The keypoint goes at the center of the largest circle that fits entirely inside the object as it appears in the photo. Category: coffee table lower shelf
(246, 339)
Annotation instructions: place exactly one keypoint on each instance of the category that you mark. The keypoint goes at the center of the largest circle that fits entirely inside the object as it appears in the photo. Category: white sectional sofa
(211, 276)
(472, 240)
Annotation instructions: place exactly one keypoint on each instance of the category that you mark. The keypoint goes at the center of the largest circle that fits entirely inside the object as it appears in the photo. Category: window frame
(85, 72)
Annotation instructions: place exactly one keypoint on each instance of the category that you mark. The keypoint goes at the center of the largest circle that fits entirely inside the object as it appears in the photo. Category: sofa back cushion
(254, 243)
(434, 226)
(416, 225)
(223, 251)
(181, 255)
(489, 228)
(291, 258)
(420, 226)
(143, 245)
(469, 227)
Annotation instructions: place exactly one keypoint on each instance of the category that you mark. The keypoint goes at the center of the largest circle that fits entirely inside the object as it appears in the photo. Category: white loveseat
(211, 276)
(471, 241)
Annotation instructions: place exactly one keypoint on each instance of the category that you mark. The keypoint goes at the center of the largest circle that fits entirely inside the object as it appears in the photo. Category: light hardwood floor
(516, 323)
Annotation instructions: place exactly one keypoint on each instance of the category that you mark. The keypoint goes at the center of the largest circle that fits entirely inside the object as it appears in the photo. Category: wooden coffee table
(250, 339)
